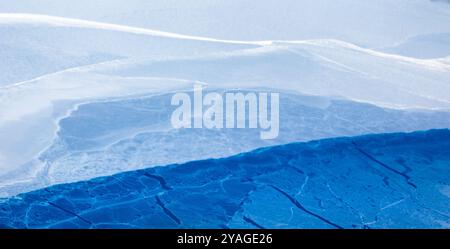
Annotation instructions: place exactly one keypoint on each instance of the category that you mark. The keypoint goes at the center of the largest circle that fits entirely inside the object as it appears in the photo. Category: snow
(427, 46)
(34, 45)
(376, 23)
(64, 68)
(76, 23)
(316, 67)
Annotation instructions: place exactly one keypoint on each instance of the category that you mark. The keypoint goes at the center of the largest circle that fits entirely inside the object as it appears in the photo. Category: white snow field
(423, 46)
(35, 45)
(374, 23)
(85, 90)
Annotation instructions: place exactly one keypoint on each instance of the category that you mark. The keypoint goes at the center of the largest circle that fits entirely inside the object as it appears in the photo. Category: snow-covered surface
(35, 45)
(316, 67)
(325, 68)
(10, 18)
(367, 23)
(64, 70)
(423, 46)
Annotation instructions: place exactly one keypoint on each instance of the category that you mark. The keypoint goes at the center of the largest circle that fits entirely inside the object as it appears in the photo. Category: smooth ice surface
(375, 181)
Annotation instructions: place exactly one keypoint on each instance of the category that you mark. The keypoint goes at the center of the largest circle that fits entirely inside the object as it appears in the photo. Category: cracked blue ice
(331, 183)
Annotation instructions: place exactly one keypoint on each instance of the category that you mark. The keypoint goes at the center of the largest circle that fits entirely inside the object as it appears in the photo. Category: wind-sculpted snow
(375, 181)
(46, 37)
(375, 23)
(36, 20)
(107, 137)
(423, 46)
(321, 67)
(84, 95)
(35, 45)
